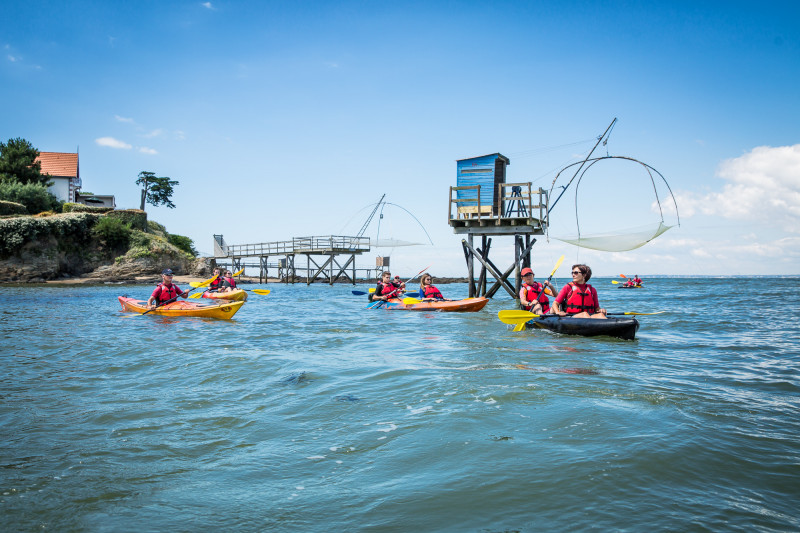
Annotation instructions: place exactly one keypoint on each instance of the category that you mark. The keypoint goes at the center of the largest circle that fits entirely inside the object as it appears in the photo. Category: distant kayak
(630, 286)
(183, 308)
(467, 305)
(621, 327)
(234, 295)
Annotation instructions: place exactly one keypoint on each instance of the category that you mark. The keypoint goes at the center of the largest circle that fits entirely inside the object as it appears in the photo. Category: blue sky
(289, 119)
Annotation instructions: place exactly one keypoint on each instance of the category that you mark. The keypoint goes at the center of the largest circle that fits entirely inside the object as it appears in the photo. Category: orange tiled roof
(59, 163)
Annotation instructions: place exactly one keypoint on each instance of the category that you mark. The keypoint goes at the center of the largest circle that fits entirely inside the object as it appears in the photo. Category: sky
(289, 119)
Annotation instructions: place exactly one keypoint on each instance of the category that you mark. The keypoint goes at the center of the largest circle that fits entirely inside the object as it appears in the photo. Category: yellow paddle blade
(558, 264)
(196, 295)
(372, 289)
(260, 291)
(519, 327)
(409, 301)
(615, 282)
(197, 284)
(237, 273)
(515, 316)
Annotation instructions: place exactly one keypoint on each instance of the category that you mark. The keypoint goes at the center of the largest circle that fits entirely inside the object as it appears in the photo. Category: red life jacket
(166, 293)
(532, 292)
(231, 282)
(216, 284)
(580, 300)
(432, 292)
(387, 288)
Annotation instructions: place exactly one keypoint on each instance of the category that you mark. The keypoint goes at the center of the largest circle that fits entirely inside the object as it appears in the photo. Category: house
(65, 174)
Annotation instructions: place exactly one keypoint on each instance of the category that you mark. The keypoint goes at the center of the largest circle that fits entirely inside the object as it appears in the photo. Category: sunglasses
(576, 272)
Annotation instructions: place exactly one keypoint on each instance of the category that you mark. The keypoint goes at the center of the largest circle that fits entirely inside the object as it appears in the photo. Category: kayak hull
(630, 286)
(468, 305)
(224, 310)
(236, 295)
(620, 327)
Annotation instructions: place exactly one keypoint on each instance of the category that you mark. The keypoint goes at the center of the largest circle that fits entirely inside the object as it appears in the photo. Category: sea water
(308, 412)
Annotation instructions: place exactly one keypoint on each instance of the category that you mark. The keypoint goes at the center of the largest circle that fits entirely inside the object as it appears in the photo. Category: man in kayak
(426, 289)
(637, 280)
(530, 294)
(385, 289)
(166, 291)
(578, 298)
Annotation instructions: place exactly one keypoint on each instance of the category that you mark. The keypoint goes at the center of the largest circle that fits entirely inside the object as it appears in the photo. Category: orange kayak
(467, 305)
(183, 308)
(235, 295)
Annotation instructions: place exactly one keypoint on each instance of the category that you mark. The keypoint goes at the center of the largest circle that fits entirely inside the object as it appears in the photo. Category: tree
(18, 163)
(156, 191)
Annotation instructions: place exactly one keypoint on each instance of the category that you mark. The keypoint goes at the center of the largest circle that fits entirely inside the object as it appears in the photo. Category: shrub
(12, 208)
(33, 196)
(18, 231)
(113, 231)
(70, 207)
(156, 228)
(183, 243)
(135, 218)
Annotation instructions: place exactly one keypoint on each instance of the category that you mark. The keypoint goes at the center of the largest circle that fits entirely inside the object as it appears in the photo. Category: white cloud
(146, 150)
(763, 184)
(111, 142)
(124, 119)
(13, 59)
(154, 133)
(207, 5)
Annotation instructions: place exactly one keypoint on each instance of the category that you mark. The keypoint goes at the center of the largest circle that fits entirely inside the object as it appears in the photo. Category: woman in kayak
(228, 283)
(426, 289)
(385, 289)
(216, 285)
(530, 295)
(578, 298)
(166, 291)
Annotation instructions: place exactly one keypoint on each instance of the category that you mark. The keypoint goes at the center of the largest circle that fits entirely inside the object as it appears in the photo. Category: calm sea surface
(308, 412)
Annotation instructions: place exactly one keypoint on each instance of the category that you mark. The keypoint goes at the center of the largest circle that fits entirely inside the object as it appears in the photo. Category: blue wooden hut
(488, 171)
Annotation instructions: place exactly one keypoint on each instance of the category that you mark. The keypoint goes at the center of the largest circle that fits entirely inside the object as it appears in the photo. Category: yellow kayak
(183, 308)
(235, 295)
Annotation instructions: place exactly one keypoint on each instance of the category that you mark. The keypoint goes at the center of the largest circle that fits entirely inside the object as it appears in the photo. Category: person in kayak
(637, 280)
(385, 290)
(165, 291)
(397, 282)
(426, 289)
(530, 294)
(578, 298)
(228, 283)
(216, 285)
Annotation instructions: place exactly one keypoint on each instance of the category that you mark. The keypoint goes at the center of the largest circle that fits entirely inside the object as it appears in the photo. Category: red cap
(526, 271)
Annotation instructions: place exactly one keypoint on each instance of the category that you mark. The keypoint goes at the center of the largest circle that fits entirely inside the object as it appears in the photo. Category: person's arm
(182, 293)
(562, 296)
(597, 302)
(522, 293)
(152, 300)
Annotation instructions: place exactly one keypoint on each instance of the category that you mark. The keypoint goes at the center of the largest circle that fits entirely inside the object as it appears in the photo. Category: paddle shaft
(170, 300)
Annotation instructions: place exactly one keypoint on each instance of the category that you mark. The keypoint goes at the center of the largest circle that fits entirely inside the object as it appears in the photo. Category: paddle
(520, 326)
(615, 282)
(201, 284)
(362, 293)
(515, 316)
(263, 292)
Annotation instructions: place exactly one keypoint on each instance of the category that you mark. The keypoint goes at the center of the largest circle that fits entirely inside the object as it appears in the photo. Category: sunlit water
(309, 412)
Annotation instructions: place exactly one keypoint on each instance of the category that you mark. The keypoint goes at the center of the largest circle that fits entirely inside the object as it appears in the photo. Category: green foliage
(183, 243)
(156, 191)
(12, 208)
(112, 231)
(156, 228)
(18, 163)
(135, 218)
(70, 207)
(19, 231)
(35, 197)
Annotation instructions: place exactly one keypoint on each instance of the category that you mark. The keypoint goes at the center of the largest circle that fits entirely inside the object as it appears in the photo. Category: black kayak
(630, 286)
(621, 327)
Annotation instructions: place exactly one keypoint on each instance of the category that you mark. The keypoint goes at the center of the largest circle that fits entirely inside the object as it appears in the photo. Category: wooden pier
(322, 257)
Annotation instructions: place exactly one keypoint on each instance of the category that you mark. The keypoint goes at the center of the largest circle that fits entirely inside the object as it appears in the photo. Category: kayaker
(228, 283)
(385, 290)
(217, 283)
(397, 282)
(530, 294)
(426, 289)
(578, 298)
(165, 291)
(637, 280)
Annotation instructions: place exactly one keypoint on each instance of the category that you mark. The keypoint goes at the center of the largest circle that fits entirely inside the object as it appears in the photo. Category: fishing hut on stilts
(482, 205)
